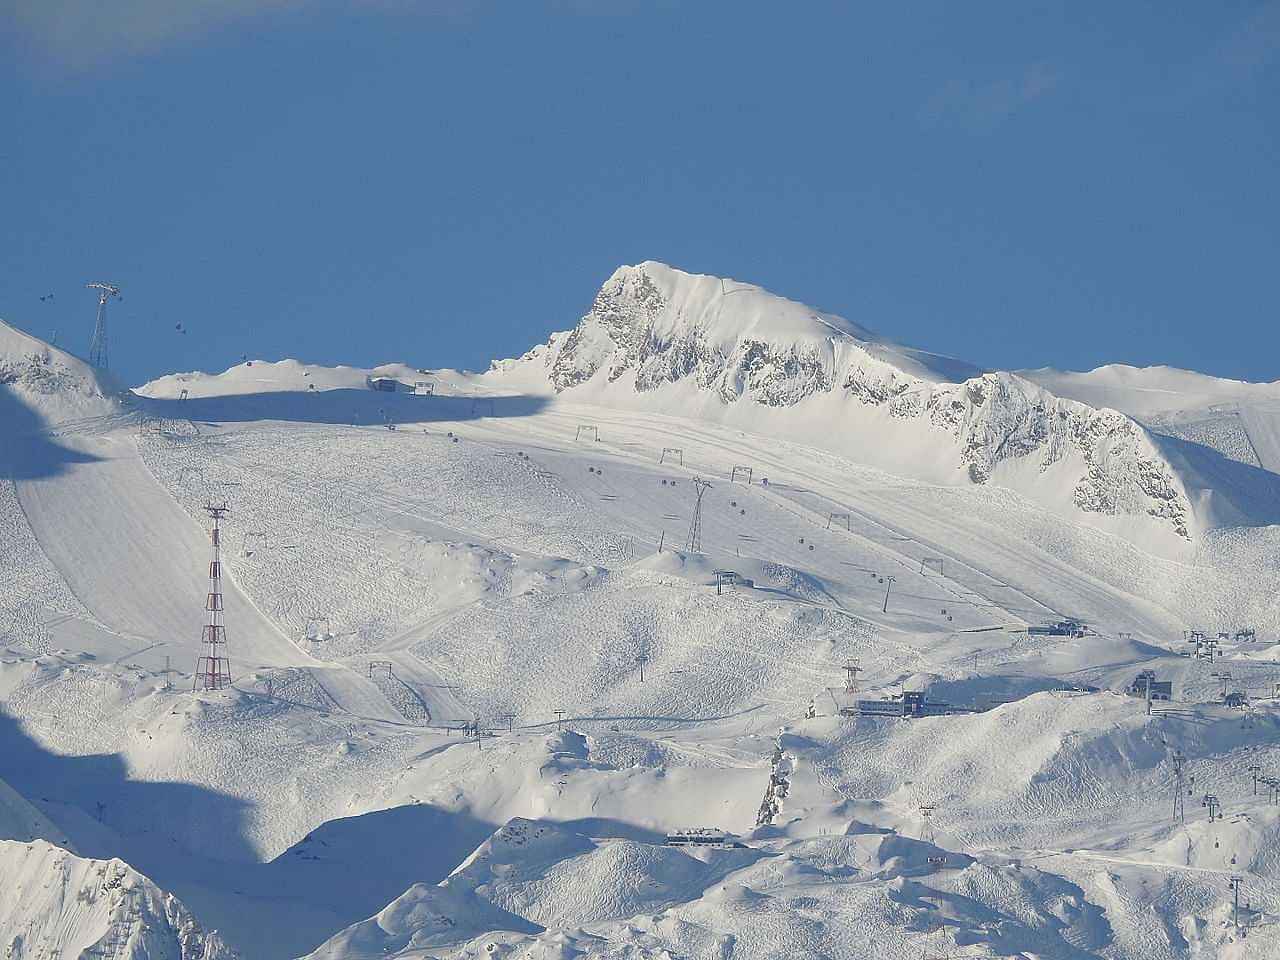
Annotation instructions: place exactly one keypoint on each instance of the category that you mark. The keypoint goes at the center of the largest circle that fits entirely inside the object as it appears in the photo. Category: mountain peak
(727, 308)
(663, 323)
(692, 345)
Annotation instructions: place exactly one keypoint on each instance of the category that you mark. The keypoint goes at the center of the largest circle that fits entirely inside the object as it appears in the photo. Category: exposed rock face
(620, 333)
(663, 326)
(1000, 416)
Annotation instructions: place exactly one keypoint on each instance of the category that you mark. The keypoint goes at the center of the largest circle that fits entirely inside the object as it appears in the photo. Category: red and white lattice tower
(213, 669)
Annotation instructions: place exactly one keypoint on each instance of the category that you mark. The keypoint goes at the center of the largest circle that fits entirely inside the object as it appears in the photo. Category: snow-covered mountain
(666, 325)
(1153, 392)
(55, 903)
(658, 338)
(41, 385)
(59, 906)
(1240, 420)
(423, 586)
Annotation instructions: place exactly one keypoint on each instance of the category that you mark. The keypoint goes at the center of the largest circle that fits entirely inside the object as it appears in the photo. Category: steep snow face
(733, 338)
(999, 416)
(60, 906)
(654, 330)
(1240, 420)
(19, 820)
(52, 386)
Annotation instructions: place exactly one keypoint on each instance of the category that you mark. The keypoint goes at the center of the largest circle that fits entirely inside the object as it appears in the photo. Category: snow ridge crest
(653, 326)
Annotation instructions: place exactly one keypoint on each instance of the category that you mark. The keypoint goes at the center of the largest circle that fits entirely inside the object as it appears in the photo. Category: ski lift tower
(1179, 780)
(852, 668)
(213, 669)
(694, 543)
(98, 345)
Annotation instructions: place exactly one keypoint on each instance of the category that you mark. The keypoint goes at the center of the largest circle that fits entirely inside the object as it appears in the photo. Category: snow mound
(41, 385)
(420, 918)
(533, 875)
(256, 376)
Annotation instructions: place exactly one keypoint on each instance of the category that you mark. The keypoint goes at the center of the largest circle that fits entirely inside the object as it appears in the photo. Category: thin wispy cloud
(983, 105)
(1233, 59)
(85, 33)
(73, 31)
(1254, 43)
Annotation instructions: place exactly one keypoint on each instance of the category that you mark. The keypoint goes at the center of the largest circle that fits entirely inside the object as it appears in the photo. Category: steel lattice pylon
(694, 543)
(1179, 778)
(98, 345)
(213, 669)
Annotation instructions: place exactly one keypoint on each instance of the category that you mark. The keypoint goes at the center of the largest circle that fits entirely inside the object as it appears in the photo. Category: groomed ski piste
(490, 701)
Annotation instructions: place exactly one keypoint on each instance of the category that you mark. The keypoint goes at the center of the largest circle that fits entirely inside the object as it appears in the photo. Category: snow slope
(662, 340)
(479, 676)
(1239, 419)
(142, 571)
(1147, 392)
(41, 385)
(62, 907)
(57, 904)
(762, 651)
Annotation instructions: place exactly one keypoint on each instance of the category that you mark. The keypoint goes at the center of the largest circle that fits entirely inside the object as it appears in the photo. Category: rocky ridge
(654, 326)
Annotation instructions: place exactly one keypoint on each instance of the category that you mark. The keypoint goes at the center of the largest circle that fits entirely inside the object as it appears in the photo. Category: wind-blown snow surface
(403, 567)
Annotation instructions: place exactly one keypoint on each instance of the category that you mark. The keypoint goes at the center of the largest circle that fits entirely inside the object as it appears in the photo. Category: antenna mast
(213, 669)
(98, 345)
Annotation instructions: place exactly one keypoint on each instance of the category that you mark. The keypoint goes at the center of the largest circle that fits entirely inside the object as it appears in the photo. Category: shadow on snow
(26, 451)
(342, 872)
(346, 406)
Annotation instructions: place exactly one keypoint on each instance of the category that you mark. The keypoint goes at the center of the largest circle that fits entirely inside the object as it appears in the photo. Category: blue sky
(446, 182)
